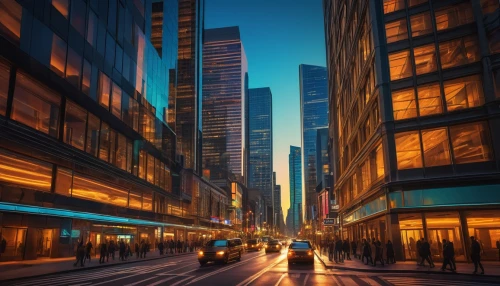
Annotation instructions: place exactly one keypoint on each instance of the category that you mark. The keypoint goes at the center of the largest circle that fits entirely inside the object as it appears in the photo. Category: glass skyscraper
(260, 172)
(224, 82)
(313, 116)
(295, 178)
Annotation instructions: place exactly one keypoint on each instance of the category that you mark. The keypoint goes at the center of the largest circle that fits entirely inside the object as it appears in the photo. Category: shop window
(104, 90)
(73, 67)
(135, 199)
(58, 55)
(454, 16)
(379, 161)
(489, 6)
(403, 104)
(436, 147)
(121, 152)
(86, 75)
(35, 106)
(93, 129)
(4, 86)
(147, 201)
(151, 169)
(89, 189)
(142, 164)
(64, 181)
(62, 6)
(425, 59)
(10, 20)
(116, 101)
(412, 3)
(25, 172)
(400, 65)
(429, 99)
(396, 31)
(104, 142)
(485, 227)
(462, 93)
(496, 82)
(92, 29)
(393, 5)
(74, 125)
(421, 24)
(471, 143)
(494, 41)
(78, 9)
(459, 52)
(408, 150)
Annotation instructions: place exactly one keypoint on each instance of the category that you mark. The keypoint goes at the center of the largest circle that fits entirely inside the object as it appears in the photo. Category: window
(396, 31)
(86, 75)
(61, 6)
(130, 113)
(403, 104)
(425, 59)
(93, 129)
(393, 5)
(121, 152)
(75, 125)
(89, 189)
(366, 178)
(400, 65)
(157, 172)
(412, 3)
(92, 29)
(118, 58)
(4, 86)
(355, 185)
(408, 150)
(104, 144)
(129, 156)
(78, 9)
(151, 169)
(379, 161)
(471, 143)
(135, 200)
(23, 171)
(147, 201)
(496, 82)
(454, 16)
(104, 90)
(10, 20)
(73, 67)
(116, 101)
(421, 24)
(459, 52)
(436, 147)
(64, 181)
(58, 55)
(110, 50)
(489, 6)
(429, 99)
(494, 41)
(112, 147)
(465, 92)
(142, 164)
(35, 106)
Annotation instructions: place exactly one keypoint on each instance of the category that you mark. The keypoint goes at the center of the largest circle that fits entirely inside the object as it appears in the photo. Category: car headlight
(200, 253)
(266, 246)
(245, 244)
(220, 252)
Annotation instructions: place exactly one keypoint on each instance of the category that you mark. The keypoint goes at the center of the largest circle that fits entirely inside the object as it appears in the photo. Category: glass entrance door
(44, 242)
(436, 237)
(15, 241)
(409, 239)
(488, 239)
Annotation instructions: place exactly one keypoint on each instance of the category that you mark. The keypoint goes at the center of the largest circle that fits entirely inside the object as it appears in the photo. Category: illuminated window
(408, 150)
(421, 24)
(116, 101)
(92, 29)
(35, 105)
(396, 31)
(366, 178)
(86, 74)
(89, 189)
(168, 181)
(4, 86)
(465, 92)
(436, 147)
(61, 6)
(129, 156)
(425, 59)
(412, 3)
(393, 5)
(74, 125)
(151, 169)
(78, 8)
(121, 152)
(10, 20)
(157, 172)
(429, 99)
(355, 185)
(379, 161)
(489, 6)
(403, 104)
(471, 143)
(73, 67)
(104, 90)
(112, 146)
(400, 65)
(23, 171)
(104, 142)
(494, 41)
(142, 164)
(147, 201)
(459, 52)
(93, 130)
(58, 55)
(64, 181)
(135, 199)
(454, 16)
(130, 114)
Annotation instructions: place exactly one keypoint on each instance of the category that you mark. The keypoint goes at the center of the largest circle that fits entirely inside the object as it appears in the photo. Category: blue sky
(278, 36)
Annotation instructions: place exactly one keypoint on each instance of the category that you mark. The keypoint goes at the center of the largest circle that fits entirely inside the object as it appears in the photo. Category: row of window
(459, 93)
(487, 6)
(452, 53)
(460, 144)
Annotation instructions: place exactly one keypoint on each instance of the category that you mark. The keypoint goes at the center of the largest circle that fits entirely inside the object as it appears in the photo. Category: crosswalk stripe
(425, 281)
(369, 281)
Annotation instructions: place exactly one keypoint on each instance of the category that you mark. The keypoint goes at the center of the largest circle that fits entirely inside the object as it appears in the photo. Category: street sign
(329, 221)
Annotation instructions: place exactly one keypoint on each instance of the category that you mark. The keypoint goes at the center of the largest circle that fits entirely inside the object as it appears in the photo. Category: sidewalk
(12, 270)
(491, 268)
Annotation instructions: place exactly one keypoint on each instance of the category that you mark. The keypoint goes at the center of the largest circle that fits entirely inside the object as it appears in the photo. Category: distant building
(322, 160)
(295, 177)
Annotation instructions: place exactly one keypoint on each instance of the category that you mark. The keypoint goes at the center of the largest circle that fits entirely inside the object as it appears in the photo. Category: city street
(255, 268)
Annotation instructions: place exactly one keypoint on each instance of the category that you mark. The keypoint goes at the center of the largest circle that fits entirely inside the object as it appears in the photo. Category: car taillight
(200, 253)
(309, 253)
(291, 252)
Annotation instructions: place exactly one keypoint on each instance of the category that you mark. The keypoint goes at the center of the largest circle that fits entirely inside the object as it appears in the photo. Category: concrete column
(465, 235)
(394, 234)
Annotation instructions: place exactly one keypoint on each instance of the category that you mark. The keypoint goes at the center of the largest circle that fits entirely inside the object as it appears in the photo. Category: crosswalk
(403, 280)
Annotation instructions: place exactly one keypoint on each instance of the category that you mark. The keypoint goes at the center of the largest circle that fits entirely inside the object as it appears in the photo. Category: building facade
(224, 82)
(260, 164)
(414, 117)
(313, 116)
(295, 177)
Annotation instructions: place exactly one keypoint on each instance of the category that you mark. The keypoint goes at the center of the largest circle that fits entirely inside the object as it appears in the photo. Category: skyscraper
(295, 178)
(313, 116)
(224, 82)
(260, 173)
(322, 160)
(414, 105)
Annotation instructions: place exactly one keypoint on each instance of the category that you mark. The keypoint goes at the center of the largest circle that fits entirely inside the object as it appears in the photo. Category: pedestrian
(389, 248)
(353, 248)
(112, 249)
(475, 253)
(379, 250)
(420, 259)
(186, 246)
(359, 249)
(447, 256)
(104, 251)
(160, 247)
(127, 250)
(367, 252)
(171, 246)
(80, 254)
(3, 245)
(88, 249)
(179, 246)
(136, 250)
(143, 249)
(331, 247)
(338, 250)
(426, 253)
(346, 249)
(122, 250)
(451, 252)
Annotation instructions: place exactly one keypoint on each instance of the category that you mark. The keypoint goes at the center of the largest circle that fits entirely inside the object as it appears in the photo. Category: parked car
(220, 250)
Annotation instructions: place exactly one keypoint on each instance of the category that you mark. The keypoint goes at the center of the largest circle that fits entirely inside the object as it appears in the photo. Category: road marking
(337, 280)
(258, 274)
(305, 280)
(139, 282)
(281, 278)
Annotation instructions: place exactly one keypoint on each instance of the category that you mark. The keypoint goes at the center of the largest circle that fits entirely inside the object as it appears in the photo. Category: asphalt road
(255, 268)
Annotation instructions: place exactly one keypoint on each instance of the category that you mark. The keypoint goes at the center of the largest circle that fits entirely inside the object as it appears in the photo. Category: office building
(414, 104)
(295, 178)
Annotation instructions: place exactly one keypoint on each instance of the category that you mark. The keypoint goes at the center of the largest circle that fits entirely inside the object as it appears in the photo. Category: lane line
(258, 274)
(305, 280)
(281, 278)
(140, 281)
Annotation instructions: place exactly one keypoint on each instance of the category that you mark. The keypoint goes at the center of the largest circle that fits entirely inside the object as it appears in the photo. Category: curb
(402, 271)
(76, 269)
